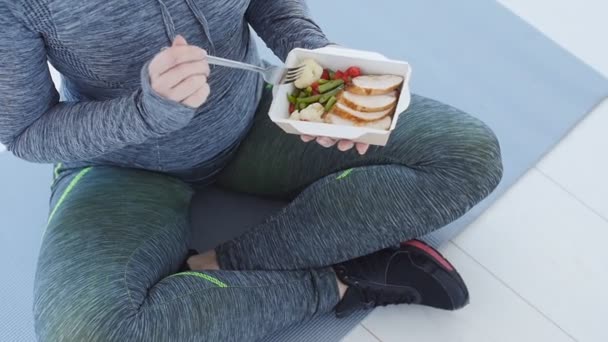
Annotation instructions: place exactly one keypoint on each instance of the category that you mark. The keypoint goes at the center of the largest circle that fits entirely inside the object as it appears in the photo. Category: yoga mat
(24, 203)
(473, 54)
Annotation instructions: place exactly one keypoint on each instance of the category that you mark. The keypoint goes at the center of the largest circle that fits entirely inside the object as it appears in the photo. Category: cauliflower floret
(312, 73)
(295, 116)
(312, 113)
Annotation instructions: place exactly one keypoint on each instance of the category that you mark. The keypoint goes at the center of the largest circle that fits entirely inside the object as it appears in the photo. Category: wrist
(162, 115)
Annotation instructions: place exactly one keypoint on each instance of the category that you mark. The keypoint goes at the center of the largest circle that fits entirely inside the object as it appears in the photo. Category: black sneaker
(414, 273)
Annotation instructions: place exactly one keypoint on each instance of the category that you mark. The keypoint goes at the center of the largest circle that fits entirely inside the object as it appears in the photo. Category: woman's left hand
(343, 145)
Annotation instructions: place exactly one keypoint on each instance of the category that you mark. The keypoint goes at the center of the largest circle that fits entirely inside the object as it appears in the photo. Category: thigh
(429, 136)
(112, 234)
(107, 270)
(438, 164)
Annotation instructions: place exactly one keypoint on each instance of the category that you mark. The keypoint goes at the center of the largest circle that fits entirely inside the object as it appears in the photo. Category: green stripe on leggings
(57, 170)
(209, 278)
(345, 174)
(67, 191)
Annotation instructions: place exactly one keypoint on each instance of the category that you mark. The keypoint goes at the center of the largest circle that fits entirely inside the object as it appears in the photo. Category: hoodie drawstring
(200, 18)
(167, 20)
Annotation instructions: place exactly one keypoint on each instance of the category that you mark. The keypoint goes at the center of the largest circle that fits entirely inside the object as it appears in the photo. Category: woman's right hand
(179, 73)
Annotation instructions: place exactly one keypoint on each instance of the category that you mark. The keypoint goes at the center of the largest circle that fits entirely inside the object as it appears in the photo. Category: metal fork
(274, 75)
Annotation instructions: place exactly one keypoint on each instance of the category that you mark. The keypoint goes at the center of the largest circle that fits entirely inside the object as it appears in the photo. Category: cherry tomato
(339, 75)
(315, 86)
(292, 108)
(354, 71)
(325, 74)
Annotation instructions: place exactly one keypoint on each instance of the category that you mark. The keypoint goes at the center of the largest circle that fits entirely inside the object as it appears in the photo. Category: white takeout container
(335, 58)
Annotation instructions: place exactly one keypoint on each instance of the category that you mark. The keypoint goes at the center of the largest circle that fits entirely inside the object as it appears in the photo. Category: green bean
(330, 103)
(310, 99)
(291, 99)
(302, 94)
(330, 86)
(302, 105)
(309, 91)
(296, 93)
(323, 81)
(329, 94)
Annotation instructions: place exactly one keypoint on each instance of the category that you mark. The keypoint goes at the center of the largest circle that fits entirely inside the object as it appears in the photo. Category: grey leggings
(108, 267)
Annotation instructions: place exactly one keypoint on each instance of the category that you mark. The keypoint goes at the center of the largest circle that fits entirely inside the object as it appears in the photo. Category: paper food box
(337, 58)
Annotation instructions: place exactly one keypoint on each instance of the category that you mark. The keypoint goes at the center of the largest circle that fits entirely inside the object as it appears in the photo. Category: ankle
(341, 288)
(204, 261)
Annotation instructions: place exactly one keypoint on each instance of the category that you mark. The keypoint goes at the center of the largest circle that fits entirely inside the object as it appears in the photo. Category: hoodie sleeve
(285, 25)
(35, 126)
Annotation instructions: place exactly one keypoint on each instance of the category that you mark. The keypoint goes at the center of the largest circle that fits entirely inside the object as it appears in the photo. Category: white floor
(537, 262)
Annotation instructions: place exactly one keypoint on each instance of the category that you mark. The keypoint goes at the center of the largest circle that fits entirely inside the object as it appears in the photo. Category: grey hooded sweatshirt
(108, 113)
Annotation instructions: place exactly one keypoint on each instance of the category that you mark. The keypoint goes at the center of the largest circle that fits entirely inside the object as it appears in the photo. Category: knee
(473, 156)
(445, 141)
(484, 159)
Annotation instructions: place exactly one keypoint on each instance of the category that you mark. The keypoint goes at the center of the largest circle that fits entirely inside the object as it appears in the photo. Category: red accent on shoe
(431, 252)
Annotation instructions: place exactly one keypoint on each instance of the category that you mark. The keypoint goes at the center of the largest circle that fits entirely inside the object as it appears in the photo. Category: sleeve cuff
(162, 115)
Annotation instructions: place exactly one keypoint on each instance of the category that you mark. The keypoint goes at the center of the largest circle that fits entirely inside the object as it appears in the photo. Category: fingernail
(324, 142)
(345, 146)
(362, 150)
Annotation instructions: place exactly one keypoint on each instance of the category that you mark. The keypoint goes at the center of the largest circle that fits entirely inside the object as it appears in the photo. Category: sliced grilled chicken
(369, 103)
(384, 123)
(375, 85)
(347, 113)
(338, 120)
